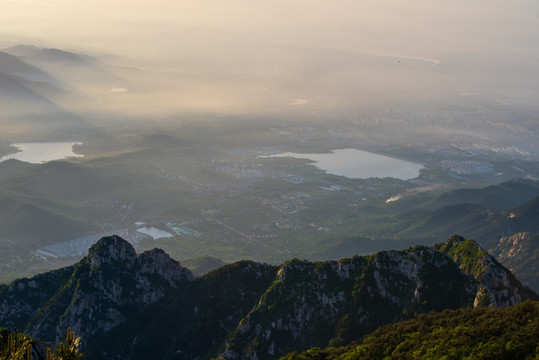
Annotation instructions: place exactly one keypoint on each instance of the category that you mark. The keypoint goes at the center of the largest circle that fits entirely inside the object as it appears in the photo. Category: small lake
(37, 153)
(155, 232)
(357, 164)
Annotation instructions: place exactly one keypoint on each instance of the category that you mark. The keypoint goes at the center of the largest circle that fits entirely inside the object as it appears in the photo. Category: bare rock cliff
(94, 295)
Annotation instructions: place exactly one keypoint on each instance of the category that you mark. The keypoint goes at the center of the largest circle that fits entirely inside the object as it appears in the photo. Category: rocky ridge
(498, 287)
(336, 302)
(94, 295)
(120, 302)
(520, 253)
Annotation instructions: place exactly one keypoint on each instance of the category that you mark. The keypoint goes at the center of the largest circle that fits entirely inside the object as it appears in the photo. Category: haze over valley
(261, 178)
(181, 116)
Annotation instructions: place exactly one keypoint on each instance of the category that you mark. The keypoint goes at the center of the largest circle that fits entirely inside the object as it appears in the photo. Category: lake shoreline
(42, 152)
(358, 164)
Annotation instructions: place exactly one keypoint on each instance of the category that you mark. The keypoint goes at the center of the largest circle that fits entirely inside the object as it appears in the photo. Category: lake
(37, 153)
(357, 164)
(155, 232)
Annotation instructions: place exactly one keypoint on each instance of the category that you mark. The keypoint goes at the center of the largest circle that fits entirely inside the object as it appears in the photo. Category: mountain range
(129, 306)
(32, 53)
(39, 90)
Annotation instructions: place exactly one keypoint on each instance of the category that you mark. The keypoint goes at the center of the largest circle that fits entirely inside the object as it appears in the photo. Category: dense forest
(480, 333)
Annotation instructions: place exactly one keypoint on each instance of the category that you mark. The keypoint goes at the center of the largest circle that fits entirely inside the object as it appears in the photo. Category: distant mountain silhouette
(26, 112)
(12, 65)
(494, 197)
(34, 53)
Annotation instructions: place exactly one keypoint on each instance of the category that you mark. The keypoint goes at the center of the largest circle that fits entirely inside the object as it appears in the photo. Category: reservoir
(37, 153)
(357, 164)
(155, 232)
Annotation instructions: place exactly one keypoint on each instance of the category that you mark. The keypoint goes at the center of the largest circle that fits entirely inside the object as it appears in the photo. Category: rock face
(93, 296)
(337, 302)
(121, 303)
(111, 251)
(191, 323)
(520, 253)
(497, 285)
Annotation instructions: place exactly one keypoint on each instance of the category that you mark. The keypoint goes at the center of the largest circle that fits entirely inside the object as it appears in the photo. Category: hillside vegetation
(133, 306)
(481, 333)
(17, 346)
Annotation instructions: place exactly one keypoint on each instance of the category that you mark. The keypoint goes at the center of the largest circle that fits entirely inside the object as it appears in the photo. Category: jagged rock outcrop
(313, 304)
(192, 322)
(520, 254)
(497, 285)
(336, 302)
(111, 251)
(93, 296)
(20, 300)
(120, 302)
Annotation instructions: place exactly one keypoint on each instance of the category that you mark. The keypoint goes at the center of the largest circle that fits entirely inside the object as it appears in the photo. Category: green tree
(68, 349)
(15, 346)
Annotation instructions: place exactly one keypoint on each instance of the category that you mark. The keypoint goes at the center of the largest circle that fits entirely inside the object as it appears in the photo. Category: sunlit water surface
(155, 232)
(37, 153)
(357, 164)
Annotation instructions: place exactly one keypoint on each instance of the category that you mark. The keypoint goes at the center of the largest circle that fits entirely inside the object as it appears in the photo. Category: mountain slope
(12, 65)
(37, 54)
(65, 65)
(494, 197)
(26, 222)
(520, 253)
(26, 113)
(481, 224)
(458, 218)
(92, 296)
(120, 302)
(508, 333)
(14, 93)
(203, 264)
(197, 318)
(498, 286)
(315, 304)
(488, 228)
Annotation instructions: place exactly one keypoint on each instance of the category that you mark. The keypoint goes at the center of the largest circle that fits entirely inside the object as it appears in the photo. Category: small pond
(154, 232)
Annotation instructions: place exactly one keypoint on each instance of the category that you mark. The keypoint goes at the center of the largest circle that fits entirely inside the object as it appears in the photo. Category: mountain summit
(112, 250)
(94, 295)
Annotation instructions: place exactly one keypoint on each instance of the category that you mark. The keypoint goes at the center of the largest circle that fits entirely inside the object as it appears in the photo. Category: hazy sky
(299, 45)
(413, 28)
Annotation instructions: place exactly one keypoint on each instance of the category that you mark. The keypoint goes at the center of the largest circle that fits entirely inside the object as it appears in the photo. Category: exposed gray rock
(93, 296)
(338, 301)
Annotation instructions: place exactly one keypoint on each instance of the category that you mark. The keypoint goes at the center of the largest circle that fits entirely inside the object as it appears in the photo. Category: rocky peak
(260, 311)
(112, 250)
(497, 286)
(157, 261)
(454, 241)
(94, 295)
